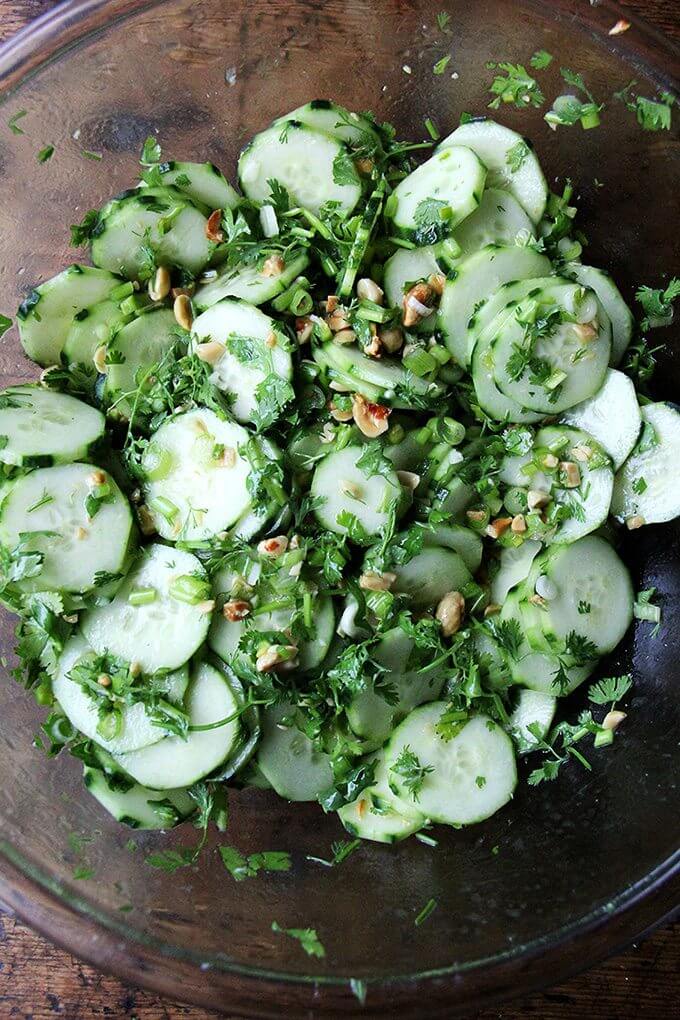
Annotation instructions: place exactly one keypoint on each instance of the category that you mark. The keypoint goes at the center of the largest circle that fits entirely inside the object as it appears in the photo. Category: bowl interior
(204, 78)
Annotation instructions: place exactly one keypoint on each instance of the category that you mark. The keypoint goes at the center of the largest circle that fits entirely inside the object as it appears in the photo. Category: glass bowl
(569, 871)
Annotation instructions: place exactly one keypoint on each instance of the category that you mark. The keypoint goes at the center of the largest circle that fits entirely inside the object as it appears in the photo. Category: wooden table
(41, 982)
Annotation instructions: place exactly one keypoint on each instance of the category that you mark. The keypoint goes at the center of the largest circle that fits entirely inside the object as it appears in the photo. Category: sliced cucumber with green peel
(40, 427)
(499, 219)
(469, 776)
(307, 163)
(438, 195)
(224, 636)
(510, 160)
(46, 315)
(381, 380)
(91, 329)
(406, 267)
(76, 521)
(137, 806)
(430, 575)
(643, 487)
(173, 762)
(611, 416)
(248, 283)
(342, 488)
(492, 400)
(378, 813)
(196, 478)
(254, 356)
(202, 183)
(134, 351)
(288, 759)
(160, 220)
(463, 541)
(611, 299)
(476, 279)
(166, 631)
(532, 709)
(515, 563)
(371, 715)
(323, 115)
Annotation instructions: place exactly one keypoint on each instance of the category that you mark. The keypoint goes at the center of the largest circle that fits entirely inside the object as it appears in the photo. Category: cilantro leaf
(541, 59)
(408, 767)
(151, 152)
(5, 324)
(610, 690)
(441, 65)
(344, 170)
(12, 122)
(430, 218)
(514, 85)
(657, 304)
(45, 154)
(307, 937)
(516, 155)
(240, 867)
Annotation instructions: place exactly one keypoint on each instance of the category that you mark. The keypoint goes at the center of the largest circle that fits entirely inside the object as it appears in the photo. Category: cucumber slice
(473, 774)
(47, 512)
(341, 487)
(499, 219)
(587, 573)
(138, 807)
(196, 480)
(611, 416)
(645, 485)
(249, 368)
(41, 427)
(305, 162)
(403, 269)
(173, 762)
(224, 636)
(160, 219)
(493, 142)
(611, 299)
(90, 329)
(370, 715)
(491, 399)
(202, 183)
(537, 670)
(578, 366)
(479, 276)
(378, 814)
(288, 759)
(345, 125)
(248, 283)
(464, 541)
(430, 575)
(455, 497)
(46, 315)
(532, 708)
(384, 381)
(491, 659)
(515, 563)
(438, 195)
(589, 502)
(137, 729)
(142, 344)
(162, 634)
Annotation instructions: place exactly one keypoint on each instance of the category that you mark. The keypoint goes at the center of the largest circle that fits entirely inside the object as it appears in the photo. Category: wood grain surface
(40, 982)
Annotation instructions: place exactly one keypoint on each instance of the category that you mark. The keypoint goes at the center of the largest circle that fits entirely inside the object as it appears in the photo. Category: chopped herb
(610, 690)
(88, 154)
(45, 154)
(584, 608)
(639, 486)
(151, 152)
(516, 155)
(12, 122)
(481, 782)
(432, 129)
(358, 989)
(514, 85)
(341, 850)
(344, 170)
(541, 59)
(82, 872)
(651, 114)
(5, 324)
(429, 907)
(645, 609)
(240, 867)
(508, 634)
(441, 65)
(307, 938)
(443, 20)
(430, 218)
(408, 767)
(657, 304)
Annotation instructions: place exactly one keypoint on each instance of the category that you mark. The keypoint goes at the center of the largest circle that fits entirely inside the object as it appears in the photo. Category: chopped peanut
(210, 352)
(159, 284)
(450, 612)
(273, 266)
(519, 525)
(570, 476)
(213, 227)
(491, 610)
(271, 340)
(437, 281)
(613, 719)
(537, 498)
(371, 419)
(585, 331)
(183, 313)
(350, 488)
(496, 528)
(476, 515)
(338, 415)
(391, 339)
(368, 290)
(635, 522)
(415, 300)
(344, 336)
(550, 461)
(409, 479)
(304, 327)
(582, 453)
(236, 610)
(364, 165)
(277, 657)
(273, 546)
(372, 581)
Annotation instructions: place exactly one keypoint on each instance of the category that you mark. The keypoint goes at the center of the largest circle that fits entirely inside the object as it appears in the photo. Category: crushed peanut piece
(537, 498)
(537, 600)
(476, 515)
(491, 610)
(81, 533)
(183, 313)
(550, 461)
(613, 719)
(496, 528)
(350, 488)
(391, 339)
(368, 290)
(271, 340)
(210, 352)
(104, 680)
(229, 457)
(409, 479)
(635, 522)
(338, 415)
(236, 610)
(337, 320)
(585, 331)
(146, 521)
(373, 581)
(344, 336)
(437, 281)
(277, 657)
(570, 476)
(273, 266)
(96, 478)
(213, 227)
(99, 360)
(450, 612)
(519, 525)
(582, 453)
(304, 327)
(415, 301)
(273, 546)
(371, 419)
(364, 165)
(159, 284)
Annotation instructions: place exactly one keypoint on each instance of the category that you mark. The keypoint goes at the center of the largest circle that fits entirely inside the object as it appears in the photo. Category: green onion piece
(432, 129)
(391, 204)
(401, 242)
(603, 738)
(301, 302)
(142, 596)
(189, 589)
(449, 250)
(590, 118)
(447, 430)
(122, 291)
(423, 436)
(282, 302)
(301, 232)
(322, 331)
(372, 312)
(163, 506)
(328, 265)
(156, 462)
(318, 225)
(135, 303)
(554, 380)
(395, 434)
(440, 354)
(646, 611)
(420, 363)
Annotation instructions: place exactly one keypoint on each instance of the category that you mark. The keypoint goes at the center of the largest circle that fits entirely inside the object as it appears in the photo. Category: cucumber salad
(322, 485)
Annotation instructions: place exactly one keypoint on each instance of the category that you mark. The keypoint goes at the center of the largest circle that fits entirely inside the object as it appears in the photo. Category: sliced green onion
(163, 506)
(432, 129)
(135, 303)
(646, 611)
(427, 840)
(440, 354)
(122, 291)
(420, 363)
(603, 738)
(554, 380)
(328, 265)
(391, 204)
(401, 242)
(446, 430)
(590, 118)
(395, 434)
(142, 596)
(301, 302)
(189, 589)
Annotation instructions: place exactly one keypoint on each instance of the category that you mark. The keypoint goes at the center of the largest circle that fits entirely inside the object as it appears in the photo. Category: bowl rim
(105, 941)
